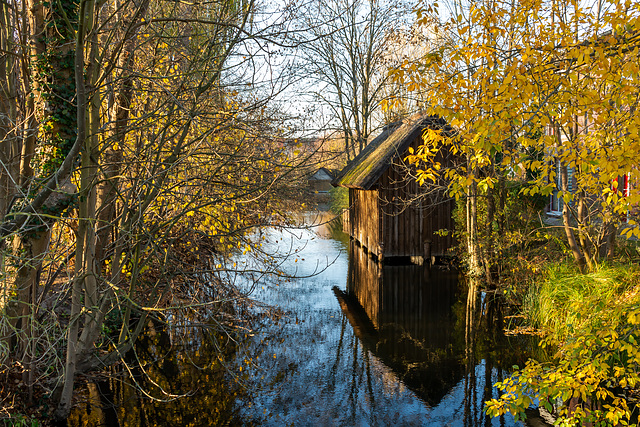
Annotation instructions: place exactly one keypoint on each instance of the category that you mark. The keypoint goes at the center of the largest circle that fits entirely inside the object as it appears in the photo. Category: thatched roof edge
(368, 166)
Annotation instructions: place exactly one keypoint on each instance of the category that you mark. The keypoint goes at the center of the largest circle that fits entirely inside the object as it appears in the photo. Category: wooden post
(427, 251)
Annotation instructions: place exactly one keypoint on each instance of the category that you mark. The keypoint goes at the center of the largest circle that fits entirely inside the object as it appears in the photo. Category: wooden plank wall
(441, 217)
(364, 219)
(402, 233)
(391, 221)
(408, 223)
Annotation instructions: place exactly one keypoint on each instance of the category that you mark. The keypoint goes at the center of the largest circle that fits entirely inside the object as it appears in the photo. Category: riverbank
(591, 323)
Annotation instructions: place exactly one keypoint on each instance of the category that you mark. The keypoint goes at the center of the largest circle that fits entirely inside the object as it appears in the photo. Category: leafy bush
(592, 322)
(338, 199)
(21, 421)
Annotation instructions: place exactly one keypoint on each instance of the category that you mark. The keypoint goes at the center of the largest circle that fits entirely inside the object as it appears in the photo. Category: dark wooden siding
(399, 218)
(411, 218)
(402, 218)
(364, 217)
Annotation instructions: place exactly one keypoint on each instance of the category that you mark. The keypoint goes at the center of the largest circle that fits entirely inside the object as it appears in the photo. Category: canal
(348, 343)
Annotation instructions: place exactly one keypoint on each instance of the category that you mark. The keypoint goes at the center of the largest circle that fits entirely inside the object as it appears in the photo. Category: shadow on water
(162, 384)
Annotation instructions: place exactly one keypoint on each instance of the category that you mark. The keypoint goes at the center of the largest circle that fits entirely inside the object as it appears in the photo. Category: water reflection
(404, 314)
(372, 345)
(445, 344)
(162, 384)
(354, 344)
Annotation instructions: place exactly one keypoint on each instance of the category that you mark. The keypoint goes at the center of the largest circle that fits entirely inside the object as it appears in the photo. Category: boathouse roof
(367, 167)
(323, 174)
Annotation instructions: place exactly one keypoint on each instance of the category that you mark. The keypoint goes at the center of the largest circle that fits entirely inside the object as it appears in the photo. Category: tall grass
(338, 199)
(565, 301)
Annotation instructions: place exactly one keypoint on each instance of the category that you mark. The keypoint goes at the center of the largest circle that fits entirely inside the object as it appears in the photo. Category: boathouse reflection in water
(412, 318)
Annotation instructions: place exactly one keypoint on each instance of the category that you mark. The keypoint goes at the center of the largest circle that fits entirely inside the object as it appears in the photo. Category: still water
(352, 344)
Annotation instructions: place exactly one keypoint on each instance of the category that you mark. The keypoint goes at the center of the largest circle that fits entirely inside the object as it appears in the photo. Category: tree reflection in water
(168, 385)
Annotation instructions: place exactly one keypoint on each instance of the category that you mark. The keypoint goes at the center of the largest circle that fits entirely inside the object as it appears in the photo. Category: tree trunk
(472, 228)
(566, 221)
(31, 84)
(10, 146)
(489, 243)
(607, 238)
(84, 246)
(583, 232)
(18, 312)
(94, 305)
(502, 203)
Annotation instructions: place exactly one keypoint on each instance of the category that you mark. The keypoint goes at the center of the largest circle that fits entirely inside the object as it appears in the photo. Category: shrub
(592, 322)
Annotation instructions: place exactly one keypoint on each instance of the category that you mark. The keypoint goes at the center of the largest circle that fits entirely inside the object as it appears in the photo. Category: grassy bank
(590, 324)
(565, 302)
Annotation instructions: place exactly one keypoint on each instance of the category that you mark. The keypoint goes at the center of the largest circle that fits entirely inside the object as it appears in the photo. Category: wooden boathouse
(389, 214)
